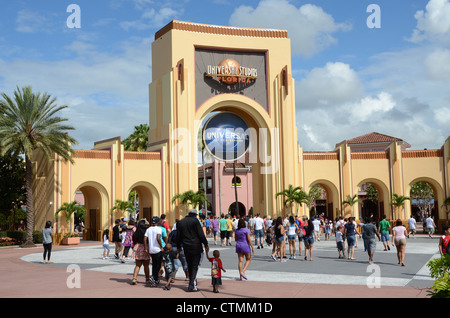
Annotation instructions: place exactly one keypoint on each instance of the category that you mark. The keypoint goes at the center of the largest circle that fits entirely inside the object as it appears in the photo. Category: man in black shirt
(191, 237)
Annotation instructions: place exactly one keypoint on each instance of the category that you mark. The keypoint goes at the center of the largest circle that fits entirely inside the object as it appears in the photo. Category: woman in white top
(399, 234)
(292, 231)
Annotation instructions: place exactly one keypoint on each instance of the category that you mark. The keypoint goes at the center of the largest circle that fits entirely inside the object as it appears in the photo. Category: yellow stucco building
(198, 70)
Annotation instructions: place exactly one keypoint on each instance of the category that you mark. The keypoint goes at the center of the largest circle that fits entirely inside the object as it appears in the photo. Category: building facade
(198, 70)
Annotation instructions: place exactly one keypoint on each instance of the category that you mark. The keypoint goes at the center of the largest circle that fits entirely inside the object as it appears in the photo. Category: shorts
(215, 233)
(229, 234)
(430, 230)
(384, 236)
(106, 247)
(371, 245)
(259, 233)
(351, 240)
(223, 234)
(216, 281)
(413, 231)
(291, 237)
(399, 242)
(308, 241)
(340, 246)
(279, 239)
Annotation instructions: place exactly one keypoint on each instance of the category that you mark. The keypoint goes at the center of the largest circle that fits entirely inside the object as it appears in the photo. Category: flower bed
(7, 241)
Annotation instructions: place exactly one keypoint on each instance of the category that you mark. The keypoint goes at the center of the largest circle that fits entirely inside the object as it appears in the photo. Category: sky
(359, 66)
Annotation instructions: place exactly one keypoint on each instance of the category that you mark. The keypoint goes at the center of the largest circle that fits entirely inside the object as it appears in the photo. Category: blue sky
(350, 79)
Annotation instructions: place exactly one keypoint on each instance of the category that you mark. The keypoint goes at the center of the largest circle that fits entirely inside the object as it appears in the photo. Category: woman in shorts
(308, 239)
(399, 234)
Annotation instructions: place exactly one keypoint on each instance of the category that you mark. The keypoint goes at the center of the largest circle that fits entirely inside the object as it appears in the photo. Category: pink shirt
(399, 232)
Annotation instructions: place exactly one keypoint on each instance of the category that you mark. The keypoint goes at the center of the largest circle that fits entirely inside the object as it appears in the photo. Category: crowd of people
(183, 246)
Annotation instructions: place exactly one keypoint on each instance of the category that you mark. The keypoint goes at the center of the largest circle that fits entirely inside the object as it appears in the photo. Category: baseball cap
(192, 211)
(155, 219)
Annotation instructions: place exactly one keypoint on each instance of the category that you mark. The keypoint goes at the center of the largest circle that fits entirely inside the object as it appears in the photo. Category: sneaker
(152, 282)
(283, 260)
(274, 257)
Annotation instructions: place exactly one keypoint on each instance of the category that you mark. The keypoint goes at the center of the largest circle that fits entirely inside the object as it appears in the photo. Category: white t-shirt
(412, 223)
(151, 234)
(258, 223)
(430, 222)
(316, 224)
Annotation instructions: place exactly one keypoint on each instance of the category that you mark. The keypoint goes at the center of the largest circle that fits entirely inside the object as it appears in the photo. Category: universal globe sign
(226, 136)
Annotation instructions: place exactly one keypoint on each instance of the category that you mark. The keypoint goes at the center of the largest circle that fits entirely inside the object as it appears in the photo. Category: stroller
(269, 236)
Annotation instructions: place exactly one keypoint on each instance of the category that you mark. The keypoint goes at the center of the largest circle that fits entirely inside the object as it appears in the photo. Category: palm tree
(122, 207)
(69, 209)
(446, 204)
(291, 195)
(351, 201)
(29, 122)
(398, 201)
(190, 198)
(138, 140)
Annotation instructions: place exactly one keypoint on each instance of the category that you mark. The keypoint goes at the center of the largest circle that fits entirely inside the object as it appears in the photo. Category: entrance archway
(233, 211)
(329, 202)
(260, 144)
(373, 206)
(97, 210)
(148, 202)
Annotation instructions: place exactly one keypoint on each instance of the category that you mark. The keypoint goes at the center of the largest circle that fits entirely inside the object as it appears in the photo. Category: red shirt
(216, 263)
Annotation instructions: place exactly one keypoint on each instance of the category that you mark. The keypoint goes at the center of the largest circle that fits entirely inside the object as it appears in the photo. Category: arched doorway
(147, 200)
(434, 208)
(97, 209)
(260, 145)
(242, 210)
(325, 196)
(374, 199)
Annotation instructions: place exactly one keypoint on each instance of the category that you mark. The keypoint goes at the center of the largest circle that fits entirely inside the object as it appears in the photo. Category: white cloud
(151, 18)
(334, 83)
(370, 106)
(433, 24)
(28, 21)
(438, 64)
(309, 27)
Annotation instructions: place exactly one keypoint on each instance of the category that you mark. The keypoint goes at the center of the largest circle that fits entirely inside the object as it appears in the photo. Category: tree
(423, 196)
(187, 198)
(293, 195)
(29, 122)
(69, 209)
(138, 140)
(351, 201)
(122, 207)
(398, 201)
(314, 194)
(447, 204)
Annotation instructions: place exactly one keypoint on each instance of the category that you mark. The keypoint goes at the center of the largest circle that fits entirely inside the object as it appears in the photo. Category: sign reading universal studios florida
(226, 136)
(230, 72)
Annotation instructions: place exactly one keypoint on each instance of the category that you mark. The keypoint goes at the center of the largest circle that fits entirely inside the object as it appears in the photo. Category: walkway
(23, 274)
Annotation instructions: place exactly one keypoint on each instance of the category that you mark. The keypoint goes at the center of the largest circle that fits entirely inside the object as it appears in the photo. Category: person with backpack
(444, 242)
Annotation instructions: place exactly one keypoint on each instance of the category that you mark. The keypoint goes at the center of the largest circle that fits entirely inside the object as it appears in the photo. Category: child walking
(216, 270)
(340, 242)
(169, 256)
(106, 244)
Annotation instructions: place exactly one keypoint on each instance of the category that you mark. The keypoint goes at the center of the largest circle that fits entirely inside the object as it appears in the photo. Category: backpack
(445, 245)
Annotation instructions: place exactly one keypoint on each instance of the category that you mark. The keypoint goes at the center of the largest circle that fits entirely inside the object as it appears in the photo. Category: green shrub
(439, 269)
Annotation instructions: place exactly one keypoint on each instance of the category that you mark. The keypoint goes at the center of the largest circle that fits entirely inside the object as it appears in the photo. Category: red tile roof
(373, 137)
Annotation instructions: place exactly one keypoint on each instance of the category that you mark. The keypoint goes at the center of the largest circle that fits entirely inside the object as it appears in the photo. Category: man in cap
(191, 237)
(153, 244)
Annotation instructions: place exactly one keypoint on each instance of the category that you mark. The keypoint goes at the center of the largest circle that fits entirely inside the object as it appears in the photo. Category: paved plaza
(326, 276)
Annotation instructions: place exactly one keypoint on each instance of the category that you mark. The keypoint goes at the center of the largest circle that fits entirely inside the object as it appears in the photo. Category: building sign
(226, 136)
(228, 72)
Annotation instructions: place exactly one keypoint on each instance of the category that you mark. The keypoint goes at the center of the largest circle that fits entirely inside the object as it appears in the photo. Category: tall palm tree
(138, 140)
(122, 207)
(398, 201)
(69, 209)
(290, 195)
(29, 122)
(351, 201)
